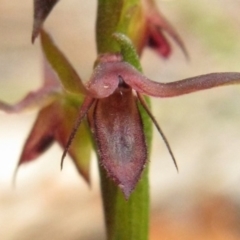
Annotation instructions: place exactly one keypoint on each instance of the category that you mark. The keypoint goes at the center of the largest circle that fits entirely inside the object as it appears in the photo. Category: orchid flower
(111, 106)
(112, 95)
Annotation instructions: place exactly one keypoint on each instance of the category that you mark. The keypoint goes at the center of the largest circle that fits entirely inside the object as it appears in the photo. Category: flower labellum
(118, 132)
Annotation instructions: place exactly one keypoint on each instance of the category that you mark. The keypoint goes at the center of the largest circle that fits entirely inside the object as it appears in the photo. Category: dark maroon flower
(111, 105)
(112, 97)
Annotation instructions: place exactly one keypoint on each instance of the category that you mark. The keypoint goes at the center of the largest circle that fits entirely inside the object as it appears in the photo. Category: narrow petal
(80, 148)
(68, 77)
(118, 132)
(37, 99)
(86, 105)
(40, 98)
(144, 104)
(42, 8)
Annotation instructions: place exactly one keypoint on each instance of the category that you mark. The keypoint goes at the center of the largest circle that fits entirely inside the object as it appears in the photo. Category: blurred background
(202, 201)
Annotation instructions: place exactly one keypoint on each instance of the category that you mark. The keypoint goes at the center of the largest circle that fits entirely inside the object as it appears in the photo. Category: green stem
(108, 15)
(124, 219)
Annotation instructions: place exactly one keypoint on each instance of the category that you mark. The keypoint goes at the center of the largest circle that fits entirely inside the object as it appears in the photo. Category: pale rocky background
(202, 201)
